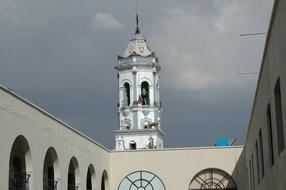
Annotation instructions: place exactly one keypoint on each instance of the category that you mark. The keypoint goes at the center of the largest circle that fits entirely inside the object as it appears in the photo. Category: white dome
(137, 46)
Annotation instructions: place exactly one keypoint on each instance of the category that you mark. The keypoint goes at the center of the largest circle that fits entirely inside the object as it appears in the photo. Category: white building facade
(139, 105)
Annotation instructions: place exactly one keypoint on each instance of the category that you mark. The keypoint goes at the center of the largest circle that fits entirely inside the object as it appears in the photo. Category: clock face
(130, 49)
(141, 49)
(141, 180)
(210, 179)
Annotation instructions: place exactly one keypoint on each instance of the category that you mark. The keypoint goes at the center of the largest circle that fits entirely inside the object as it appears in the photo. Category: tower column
(154, 86)
(134, 74)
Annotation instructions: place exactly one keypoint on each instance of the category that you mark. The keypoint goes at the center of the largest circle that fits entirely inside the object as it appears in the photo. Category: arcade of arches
(21, 171)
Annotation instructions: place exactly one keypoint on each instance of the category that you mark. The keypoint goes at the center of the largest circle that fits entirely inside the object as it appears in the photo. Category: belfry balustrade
(50, 184)
(19, 180)
(72, 187)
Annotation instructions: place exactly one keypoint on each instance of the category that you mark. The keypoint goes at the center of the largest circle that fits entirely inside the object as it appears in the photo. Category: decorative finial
(137, 21)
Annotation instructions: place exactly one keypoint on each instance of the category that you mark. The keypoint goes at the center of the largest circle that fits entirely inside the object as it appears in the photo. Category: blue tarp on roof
(222, 142)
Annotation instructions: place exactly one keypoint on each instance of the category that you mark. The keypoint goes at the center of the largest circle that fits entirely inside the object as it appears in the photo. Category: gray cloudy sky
(60, 54)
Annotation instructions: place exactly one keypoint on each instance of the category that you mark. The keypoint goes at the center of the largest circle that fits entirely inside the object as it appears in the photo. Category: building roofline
(11, 92)
(269, 33)
(180, 149)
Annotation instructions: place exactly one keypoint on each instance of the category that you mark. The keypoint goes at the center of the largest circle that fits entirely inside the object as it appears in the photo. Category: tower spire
(137, 21)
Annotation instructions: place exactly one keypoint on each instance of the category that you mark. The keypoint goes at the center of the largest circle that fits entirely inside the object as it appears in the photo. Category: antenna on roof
(248, 73)
(137, 19)
(254, 34)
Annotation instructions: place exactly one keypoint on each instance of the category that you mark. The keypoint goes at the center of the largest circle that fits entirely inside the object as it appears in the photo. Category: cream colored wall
(177, 167)
(43, 131)
(273, 66)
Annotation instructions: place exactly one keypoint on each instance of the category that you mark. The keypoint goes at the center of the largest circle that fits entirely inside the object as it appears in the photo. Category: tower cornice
(140, 131)
(124, 66)
(137, 107)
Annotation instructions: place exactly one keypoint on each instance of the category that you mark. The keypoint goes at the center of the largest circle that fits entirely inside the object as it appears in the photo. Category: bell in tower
(139, 105)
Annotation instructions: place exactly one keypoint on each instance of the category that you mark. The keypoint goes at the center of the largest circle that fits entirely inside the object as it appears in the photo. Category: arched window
(279, 117)
(141, 180)
(132, 145)
(209, 179)
(51, 173)
(144, 98)
(20, 165)
(126, 94)
(270, 134)
(90, 179)
(104, 181)
(73, 175)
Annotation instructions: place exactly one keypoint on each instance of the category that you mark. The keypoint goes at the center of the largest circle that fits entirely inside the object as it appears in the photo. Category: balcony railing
(72, 187)
(50, 184)
(19, 181)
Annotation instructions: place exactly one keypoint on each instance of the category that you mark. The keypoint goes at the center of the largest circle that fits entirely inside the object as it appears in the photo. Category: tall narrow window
(250, 175)
(252, 169)
(257, 162)
(279, 117)
(126, 94)
(270, 135)
(144, 98)
(261, 153)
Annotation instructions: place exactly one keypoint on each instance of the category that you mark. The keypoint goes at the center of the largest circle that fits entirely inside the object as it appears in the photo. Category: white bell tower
(139, 97)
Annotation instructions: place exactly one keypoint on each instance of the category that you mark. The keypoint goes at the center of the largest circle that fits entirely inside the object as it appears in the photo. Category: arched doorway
(104, 181)
(90, 178)
(20, 165)
(73, 175)
(51, 173)
(210, 179)
(132, 145)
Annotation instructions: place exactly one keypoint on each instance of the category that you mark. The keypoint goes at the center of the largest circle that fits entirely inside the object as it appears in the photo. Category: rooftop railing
(19, 181)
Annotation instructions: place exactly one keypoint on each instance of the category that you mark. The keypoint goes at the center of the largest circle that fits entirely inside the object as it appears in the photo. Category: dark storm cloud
(61, 55)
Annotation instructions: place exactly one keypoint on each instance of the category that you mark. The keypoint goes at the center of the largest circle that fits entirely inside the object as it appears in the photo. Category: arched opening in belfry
(126, 94)
(73, 175)
(145, 93)
(90, 178)
(51, 172)
(132, 145)
(20, 165)
(104, 181)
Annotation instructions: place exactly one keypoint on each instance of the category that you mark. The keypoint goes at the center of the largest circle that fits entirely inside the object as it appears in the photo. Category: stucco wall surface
(177, 167)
